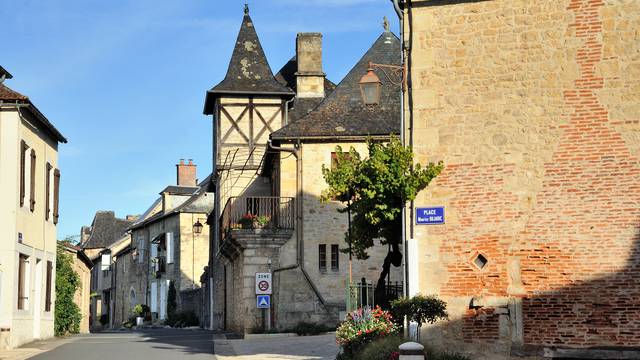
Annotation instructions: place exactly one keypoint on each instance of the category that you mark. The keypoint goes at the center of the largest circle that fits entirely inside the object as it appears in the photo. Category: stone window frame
(473, 257)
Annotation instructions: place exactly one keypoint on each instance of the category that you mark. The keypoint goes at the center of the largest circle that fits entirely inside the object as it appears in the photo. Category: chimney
(186, 173)
(309, 77)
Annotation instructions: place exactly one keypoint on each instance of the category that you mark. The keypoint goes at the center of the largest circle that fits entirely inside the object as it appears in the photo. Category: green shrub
(141, 310)
(380, 349)
(172, 304)
(183, 319)
(419, 309)
(67, 314)
(305, 328)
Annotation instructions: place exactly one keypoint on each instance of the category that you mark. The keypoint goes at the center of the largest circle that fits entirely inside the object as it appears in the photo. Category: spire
(246, 9)
(249, 71)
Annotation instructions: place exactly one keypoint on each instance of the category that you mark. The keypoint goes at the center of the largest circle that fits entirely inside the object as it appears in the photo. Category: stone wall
(533, 107)
(323, 224)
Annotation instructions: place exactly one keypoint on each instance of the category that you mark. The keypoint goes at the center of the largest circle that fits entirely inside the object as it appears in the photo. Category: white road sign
(263, 284)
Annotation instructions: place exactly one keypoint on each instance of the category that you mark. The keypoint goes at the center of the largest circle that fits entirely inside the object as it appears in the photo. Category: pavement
(320, 347)
(155, 344)
(172, 344)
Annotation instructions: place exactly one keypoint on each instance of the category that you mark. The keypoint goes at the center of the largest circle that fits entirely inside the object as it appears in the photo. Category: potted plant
(140, 311)
(247, 220)
(261, 221)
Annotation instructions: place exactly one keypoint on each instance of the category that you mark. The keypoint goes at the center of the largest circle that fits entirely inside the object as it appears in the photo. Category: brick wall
(533, 107)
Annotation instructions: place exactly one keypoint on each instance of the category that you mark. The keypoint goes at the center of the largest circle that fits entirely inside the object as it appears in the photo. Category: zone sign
(263, 283)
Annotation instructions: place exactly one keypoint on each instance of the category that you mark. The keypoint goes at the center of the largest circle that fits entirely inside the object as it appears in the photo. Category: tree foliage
(67, 312)
(172, 304)
(379, 187)
(376, 189)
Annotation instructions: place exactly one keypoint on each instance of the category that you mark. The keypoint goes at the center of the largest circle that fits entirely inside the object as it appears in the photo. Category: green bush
(183, 319)
(305, 328)
(381, 349)
(67, 315)
(141, 310)
(172, 304)
(419, 309)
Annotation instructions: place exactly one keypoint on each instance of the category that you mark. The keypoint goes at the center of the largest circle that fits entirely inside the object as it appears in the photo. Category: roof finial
(385, 23)
(246, 9)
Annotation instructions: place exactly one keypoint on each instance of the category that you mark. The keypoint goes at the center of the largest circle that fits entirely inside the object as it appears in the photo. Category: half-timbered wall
(245, 124)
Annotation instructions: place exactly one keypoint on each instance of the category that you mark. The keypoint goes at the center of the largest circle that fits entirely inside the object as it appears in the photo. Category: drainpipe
(299, 221)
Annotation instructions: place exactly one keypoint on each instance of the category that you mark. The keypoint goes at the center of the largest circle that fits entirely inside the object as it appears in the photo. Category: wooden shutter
(47, 303)
(21, 281)
(47, 192)
(23, 160)
(56, 195)
(170, 246)
(32, 182)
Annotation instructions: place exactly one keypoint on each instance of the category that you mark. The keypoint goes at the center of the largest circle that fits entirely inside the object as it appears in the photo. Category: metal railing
(257, 212)
(362, 294)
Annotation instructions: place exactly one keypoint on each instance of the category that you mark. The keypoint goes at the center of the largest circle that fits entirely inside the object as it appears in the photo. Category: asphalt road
(155, 344)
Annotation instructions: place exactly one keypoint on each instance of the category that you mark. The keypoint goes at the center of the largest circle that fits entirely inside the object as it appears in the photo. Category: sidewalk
(34, 348)
(320, 347)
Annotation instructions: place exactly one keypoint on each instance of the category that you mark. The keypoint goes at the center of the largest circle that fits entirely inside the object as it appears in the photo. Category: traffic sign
(263, 301)
(263, 284)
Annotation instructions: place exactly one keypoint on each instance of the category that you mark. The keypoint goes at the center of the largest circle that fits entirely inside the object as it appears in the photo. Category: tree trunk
(393, 257)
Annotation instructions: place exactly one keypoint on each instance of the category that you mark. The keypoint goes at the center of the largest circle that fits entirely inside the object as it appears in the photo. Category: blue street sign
(263, 301)
(430, 215)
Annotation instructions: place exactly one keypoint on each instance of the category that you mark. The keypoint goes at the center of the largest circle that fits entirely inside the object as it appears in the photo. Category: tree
(67, 313)
(172, 305)
(376, 189)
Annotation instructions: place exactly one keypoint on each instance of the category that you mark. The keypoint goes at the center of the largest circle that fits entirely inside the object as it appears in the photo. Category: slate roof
(9, 95)
(6, 74)
(179, 190)
(301, 106)
(106, 230)
(343, 113)
(197, 203)
(249, 71)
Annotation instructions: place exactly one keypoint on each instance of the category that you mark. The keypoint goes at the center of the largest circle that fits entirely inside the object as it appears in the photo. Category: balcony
(257, 218)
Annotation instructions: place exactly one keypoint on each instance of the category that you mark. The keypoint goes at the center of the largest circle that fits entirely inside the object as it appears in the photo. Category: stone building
(82, 266)
(274, 133)
(534, 108)
(169, 245)
(98, 241)
(29, 193)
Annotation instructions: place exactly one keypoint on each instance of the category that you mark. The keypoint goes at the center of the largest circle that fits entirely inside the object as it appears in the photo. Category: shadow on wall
(586, 319)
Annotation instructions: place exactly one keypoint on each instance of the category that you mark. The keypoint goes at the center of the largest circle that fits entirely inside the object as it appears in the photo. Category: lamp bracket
(394, 73)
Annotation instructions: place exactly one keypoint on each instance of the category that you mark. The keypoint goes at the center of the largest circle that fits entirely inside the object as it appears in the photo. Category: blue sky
(124, 81)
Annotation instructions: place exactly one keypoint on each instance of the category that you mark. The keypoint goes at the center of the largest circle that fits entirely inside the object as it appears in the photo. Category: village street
(160, 344)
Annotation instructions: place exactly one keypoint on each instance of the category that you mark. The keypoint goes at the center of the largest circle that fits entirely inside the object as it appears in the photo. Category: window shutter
(47, 196)
(170, 248)
(56, 195)
(322, 257)
(47, 303)
(154, 250)
(32, 182)
(23, 175)
(154, 296)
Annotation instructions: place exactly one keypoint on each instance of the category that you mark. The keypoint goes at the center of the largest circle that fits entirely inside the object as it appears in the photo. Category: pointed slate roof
(106, 229)
(343, 113)
(249, 71)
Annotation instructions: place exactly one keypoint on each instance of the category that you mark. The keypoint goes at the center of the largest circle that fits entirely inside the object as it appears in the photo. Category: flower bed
(363, 326)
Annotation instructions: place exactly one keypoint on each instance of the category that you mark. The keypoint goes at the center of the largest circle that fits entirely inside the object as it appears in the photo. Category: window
(32, 182)
(132, 297)
(141, 248)
(334, 158)
(23, 282)
(480, 261)
(56, 195)
(23, 171)
(47, 301)
(322, 257)
(47, 192)
(335, 262)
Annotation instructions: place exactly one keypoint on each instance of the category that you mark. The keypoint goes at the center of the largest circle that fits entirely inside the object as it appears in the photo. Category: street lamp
(197, 228)
(370, 84)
